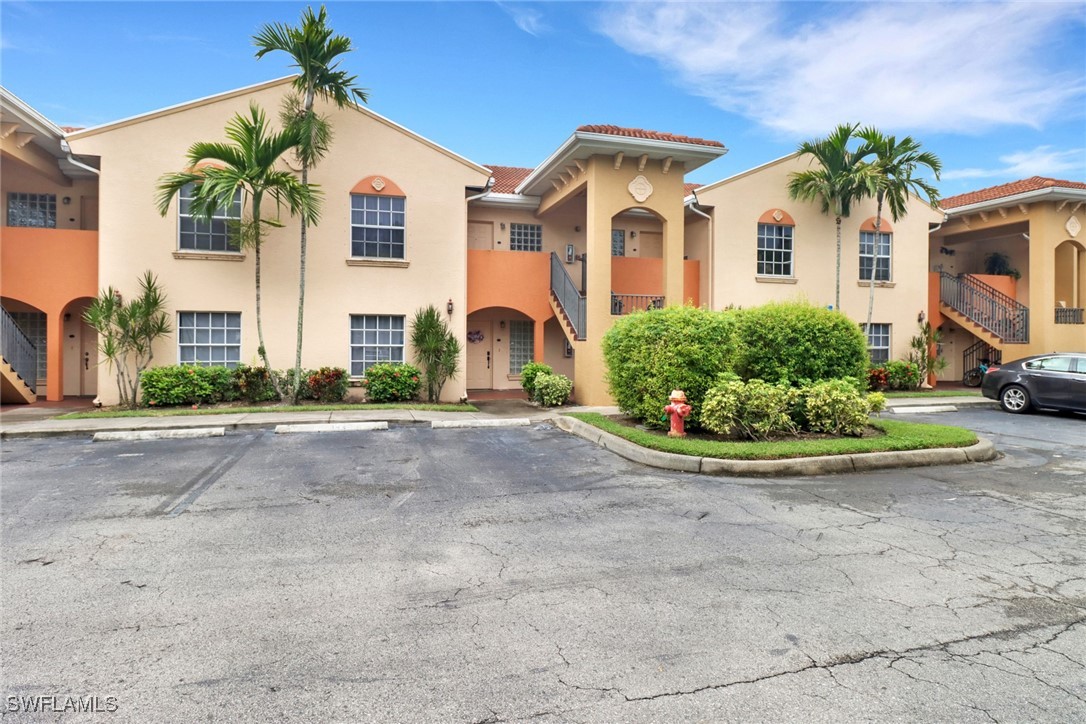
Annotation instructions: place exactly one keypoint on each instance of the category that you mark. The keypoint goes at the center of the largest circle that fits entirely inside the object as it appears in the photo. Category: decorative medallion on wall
(475, 336)
(778, 215)
(640, 189)
(1073, 226)
(378, 183)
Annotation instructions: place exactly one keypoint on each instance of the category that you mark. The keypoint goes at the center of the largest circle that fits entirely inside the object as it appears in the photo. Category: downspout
(711, 244)
(68, 150)
(486, 192)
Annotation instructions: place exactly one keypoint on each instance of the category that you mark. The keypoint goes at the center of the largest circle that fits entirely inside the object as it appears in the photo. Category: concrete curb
(922, 409)
(982, 451)
(503, 422)
(330, 427)
(175, 434)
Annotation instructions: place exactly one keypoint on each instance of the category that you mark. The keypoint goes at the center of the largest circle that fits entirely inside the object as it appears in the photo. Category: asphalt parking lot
(513, 574)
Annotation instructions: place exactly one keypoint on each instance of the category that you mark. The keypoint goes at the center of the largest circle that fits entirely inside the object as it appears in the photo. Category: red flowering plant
(391, 382)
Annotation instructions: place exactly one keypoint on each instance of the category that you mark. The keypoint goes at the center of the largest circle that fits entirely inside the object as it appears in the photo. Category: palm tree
(315, 50)
(838, 179)
(248, 164)
(891, 177)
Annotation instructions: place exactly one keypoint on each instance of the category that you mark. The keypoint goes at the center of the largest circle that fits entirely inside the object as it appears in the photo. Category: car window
(1080, 365)
(1052, 364)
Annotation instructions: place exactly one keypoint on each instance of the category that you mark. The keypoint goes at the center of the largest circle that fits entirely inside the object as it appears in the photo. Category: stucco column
(673, 259)
(1042, 283)
(54, 359)
(537, 333)
(589, 368)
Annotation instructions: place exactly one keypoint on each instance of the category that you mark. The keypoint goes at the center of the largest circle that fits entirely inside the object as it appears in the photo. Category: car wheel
(1014, 399)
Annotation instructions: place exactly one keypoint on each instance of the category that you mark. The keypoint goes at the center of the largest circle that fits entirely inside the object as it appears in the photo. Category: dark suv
(1054, 381)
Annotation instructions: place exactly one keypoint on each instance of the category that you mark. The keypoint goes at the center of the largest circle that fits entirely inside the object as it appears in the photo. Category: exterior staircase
(18, 364)
(987, 313)
(567, 302)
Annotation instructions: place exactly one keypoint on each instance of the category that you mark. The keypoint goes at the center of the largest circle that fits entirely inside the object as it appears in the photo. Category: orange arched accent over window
(205, 164)
(377, 186)
(884, 227)
(779, 217)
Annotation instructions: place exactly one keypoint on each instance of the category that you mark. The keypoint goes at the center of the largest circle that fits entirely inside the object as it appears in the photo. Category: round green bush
(388, 382)
(528, 375)
(552, 390)
(649, 354)
(798, 343)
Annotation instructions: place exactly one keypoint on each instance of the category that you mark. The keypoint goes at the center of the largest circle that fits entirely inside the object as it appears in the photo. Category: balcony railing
(569, 297)
(18, 350)
(985, 306)
(630, 303)
(1069, 315)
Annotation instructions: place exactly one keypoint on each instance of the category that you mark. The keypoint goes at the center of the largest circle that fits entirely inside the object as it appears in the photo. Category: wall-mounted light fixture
(921, 317)
(67, 316)
(66, 200)
(503, 226)
(502, 324)
(633, 234)
(449, 307)
(577, 229)
(946, 251)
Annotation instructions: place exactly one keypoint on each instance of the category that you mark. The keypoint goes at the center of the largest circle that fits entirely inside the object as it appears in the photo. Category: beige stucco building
(527, 263)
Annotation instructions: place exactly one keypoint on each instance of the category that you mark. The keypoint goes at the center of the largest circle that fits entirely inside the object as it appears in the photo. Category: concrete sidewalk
(11, 426)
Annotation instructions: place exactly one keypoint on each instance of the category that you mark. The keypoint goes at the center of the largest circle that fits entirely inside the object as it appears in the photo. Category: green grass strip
(185, 411)
(899, 436)
(918, 394)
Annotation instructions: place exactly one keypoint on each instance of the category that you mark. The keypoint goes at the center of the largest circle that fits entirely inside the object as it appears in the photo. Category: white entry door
(480, 374)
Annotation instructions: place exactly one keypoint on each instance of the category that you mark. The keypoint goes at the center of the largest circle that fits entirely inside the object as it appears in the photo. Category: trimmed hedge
(648, 354)
(799, 343)
(173, 385)
(388, 382)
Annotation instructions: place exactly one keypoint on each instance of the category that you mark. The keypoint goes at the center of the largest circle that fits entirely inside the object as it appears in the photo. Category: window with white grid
(878, 341)
(209, 338)
(875, 254)
(526, 237)
(521, 344)
(774, 250)
(201, 234)
(375, 338)
(37, 210)
(377, 226)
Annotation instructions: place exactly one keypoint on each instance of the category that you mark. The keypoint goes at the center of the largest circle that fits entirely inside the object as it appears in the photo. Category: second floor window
(36, 210)
(200, 234)
(377, 226)
(525, 237)
(774, 250)
(875, 254)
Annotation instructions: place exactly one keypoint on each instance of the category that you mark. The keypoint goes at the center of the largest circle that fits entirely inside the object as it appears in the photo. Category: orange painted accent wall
(48, 268)
(519, 280)
(999, 282)
(884, 226)
(633, 275)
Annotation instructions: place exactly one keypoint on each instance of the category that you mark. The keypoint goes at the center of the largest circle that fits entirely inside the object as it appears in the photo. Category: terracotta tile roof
(689, 188)
(649, 135)
(1033, 183)
(507, 178)
(71, 129)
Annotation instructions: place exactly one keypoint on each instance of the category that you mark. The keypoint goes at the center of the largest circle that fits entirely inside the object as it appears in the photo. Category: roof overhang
(1050, 193)
(507, 201)
(19, 120)
(582, 145)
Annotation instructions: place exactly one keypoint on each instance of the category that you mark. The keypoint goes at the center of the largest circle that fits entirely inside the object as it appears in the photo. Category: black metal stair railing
(569, 297)
(985, 306)
(630, 303)
(18, 351)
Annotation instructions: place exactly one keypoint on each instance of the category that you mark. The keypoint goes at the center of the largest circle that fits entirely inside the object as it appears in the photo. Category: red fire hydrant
(678, 409)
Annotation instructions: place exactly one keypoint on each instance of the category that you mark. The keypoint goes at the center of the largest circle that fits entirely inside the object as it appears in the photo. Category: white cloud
(1040, 161)
(802, 68)
(527, 19)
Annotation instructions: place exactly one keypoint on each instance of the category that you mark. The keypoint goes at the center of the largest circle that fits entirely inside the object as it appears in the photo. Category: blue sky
(997, 90)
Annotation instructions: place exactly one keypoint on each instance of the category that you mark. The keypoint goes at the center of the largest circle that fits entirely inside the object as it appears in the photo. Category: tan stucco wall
(134, 237)
(738, 203)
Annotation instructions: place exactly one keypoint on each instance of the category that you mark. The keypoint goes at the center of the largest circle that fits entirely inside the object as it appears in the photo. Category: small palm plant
(437, 350)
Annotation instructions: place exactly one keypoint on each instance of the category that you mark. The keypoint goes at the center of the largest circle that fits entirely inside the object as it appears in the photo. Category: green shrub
(552, 390)
(328, 384)
(901, 375)
(388, 382)
(755, 409)
(798, 343)
(837, 407)
(173, 385)
(254, 384)
(648, 354)
(528, 374)
(876, 378)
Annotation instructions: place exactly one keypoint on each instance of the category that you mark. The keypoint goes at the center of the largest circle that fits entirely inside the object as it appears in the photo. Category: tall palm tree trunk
(296, 384)
(837, 279)
(261, 349)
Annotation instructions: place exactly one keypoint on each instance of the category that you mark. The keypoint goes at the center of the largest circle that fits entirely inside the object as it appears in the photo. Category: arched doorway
(1070, 281)
(80, 351)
